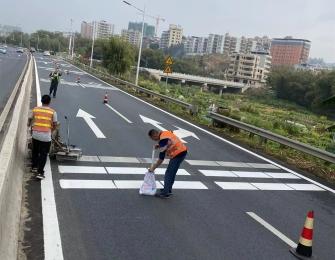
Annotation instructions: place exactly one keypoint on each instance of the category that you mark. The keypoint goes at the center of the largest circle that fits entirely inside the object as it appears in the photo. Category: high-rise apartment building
(289, 51)
(101, 30)
(131, 36)
(149, 30)
(171, 37)
(215, 43)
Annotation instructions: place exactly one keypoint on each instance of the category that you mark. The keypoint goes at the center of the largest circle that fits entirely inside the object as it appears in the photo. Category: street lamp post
(92, 50)
(141, 41)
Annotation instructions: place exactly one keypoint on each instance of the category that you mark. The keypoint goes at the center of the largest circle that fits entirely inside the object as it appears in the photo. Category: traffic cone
(105, 98)
(78, 79)
(304, 248)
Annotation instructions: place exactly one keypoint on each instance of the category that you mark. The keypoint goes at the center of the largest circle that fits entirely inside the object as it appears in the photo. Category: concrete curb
(12, 168)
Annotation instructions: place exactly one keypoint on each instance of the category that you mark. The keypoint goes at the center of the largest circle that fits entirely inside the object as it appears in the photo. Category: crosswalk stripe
(148, 160)
(125, 184)
(282, 175)
(202, 163)
(262, 165)
(81, 169)
(135, 170)
(87, 184)
(268, 186)
(236, 185)
(271, 186)
(119, 159)
(214, 173)
(243, 174)
(87, 158)
(189, 185)
(251, 174)
(233, 164)
(302, 187)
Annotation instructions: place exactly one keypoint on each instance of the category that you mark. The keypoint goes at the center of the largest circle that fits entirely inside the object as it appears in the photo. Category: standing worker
(171, 147)
(55, 78)
(44, 120)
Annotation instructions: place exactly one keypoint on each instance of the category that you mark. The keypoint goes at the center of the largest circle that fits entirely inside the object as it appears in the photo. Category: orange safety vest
(176, 147)
(43, 119)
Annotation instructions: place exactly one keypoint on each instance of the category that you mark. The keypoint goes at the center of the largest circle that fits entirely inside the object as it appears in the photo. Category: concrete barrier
(12, 168)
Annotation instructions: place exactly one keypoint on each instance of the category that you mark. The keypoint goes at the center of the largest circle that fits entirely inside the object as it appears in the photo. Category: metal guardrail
(191, 108)
(324, 155)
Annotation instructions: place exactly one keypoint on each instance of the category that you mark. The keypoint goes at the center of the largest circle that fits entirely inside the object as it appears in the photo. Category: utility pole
(70, 39)
(93, 39)
(21, 38)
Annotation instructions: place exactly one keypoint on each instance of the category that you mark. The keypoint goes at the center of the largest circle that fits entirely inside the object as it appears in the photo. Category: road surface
(221, 194)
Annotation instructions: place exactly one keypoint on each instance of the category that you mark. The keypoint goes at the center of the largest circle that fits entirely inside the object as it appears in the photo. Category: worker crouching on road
(171, 147)
(43, 121)
(55, 78)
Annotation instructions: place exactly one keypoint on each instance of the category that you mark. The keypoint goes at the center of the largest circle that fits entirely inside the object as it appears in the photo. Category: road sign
(169, 61)
(168, 70)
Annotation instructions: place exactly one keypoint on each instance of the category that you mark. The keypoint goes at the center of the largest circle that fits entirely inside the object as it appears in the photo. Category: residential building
(215, 43)
(101, 30)
(131, 36)
(252, 68)
(191, 44)
(289, 51)
(149, 30)
(171, 37)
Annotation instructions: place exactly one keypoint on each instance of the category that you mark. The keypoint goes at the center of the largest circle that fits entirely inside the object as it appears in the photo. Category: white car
(3, 50)
(46, 53)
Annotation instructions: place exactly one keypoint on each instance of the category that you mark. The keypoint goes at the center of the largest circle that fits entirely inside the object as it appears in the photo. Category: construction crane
(158, 19)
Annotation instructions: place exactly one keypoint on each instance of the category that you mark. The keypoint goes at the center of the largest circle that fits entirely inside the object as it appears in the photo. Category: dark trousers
(40, 154)
(53, 89)
(171, 171)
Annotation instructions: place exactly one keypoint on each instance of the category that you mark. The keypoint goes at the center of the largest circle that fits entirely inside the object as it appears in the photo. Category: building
(252, 68)
(6, 30)
(149, 30)
(131, 36)
(215, 44)
(191, 44)
(171, 37)
(101, 30)
(289, 51)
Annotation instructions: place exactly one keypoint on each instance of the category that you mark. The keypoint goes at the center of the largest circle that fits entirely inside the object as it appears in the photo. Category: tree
(118, 56)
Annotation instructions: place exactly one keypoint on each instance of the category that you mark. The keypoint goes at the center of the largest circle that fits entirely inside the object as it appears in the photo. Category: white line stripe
(202, 163)
(38, 87)
(272, 229)
(213, 173)
(81, 169)
(271, 186)
(119, 114)
(188, 185)
(217, 137)
(233, 164)
(262, 165)
(135, 170)
(133, 184)
(251, 174)
(87, 158)
(118, 159)
(282, 175)
(236, 185)
(86, 184)
(52, 240)
(305, 187)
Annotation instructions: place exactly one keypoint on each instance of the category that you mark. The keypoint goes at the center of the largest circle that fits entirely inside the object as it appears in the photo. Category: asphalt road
(11, 66)
(101, 216)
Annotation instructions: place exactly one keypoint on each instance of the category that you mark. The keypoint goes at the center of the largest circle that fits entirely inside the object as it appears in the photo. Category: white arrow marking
(180, 132)
(88, 119)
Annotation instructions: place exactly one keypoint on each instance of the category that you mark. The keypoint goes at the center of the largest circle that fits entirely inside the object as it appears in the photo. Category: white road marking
(202, 163)
(148, 160)
(282, 175)
(81, 169)
(87, 158)
(217, 137)
(38, 88)
(132, 184)
(119, 114)
(135, 170)
(236, 185)
(88, 119)
(188, 185)
(87, 184)
(251, 174)
(118, 159)
(213, 173)
(262, 165)
(271, 186)
(272, 229)
(233, 164)
(304, 187)
(52, 240)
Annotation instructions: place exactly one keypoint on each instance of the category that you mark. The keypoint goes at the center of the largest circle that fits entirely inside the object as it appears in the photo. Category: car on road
(3, 50)
(19, 50)
(46, 53)
(32, 49)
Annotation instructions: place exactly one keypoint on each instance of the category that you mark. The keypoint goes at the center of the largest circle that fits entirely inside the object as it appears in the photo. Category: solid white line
(271, 186)
(81, 169)
(119, 159)
(304, 187)
(86, 184)
(38, 87)
(282, 175)
(235, 185)
(52, 240)
(273, 230)
(214, 173)
(216, 136)
(124, 184)
(98, 133)
(188, 185)
(138, 170)
(119, 114)
(251, 174)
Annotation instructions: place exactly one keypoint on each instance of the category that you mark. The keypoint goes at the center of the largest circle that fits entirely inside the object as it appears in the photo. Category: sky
(309, 19)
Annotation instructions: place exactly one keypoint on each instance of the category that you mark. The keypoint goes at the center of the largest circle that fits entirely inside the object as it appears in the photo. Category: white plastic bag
(148, 186)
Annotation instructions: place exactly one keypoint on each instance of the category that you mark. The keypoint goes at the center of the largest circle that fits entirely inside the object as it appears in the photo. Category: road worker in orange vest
(170, 146)
(43, 122)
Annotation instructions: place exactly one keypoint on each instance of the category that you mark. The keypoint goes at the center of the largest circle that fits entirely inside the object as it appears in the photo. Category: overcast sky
(310, 19)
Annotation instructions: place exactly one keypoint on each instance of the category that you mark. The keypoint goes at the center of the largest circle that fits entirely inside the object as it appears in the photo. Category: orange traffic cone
(78, 79)
(304, 248)
(105, 98)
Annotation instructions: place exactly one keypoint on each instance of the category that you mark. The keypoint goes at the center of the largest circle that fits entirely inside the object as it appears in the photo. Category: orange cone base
(297, 255)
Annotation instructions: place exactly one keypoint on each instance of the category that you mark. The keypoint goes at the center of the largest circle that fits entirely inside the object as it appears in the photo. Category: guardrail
(267, 135)
(191, 108)
(12, 168)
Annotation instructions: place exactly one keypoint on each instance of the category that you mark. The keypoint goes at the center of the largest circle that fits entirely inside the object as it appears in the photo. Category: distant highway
(11, 66)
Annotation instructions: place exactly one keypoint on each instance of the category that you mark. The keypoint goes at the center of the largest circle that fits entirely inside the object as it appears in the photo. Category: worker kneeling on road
(171, 147)
(43, 121)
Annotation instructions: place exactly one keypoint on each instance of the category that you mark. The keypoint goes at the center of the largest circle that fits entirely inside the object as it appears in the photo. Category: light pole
(70, 39)
(141, 41)
(93, 39)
